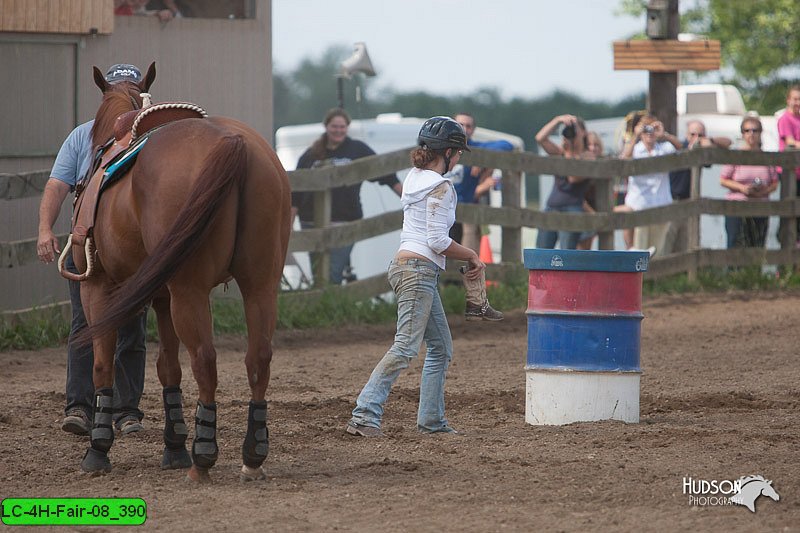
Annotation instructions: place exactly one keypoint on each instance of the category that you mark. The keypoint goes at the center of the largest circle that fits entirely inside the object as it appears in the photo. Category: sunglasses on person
(751, 130)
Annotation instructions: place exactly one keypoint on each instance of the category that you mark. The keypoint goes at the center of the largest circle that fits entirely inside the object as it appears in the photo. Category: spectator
(429, 204)
(649, 190)
(71, 164)
(594, 149)
(680, 181)
(567, 195)
(789, 132)
(334, 147)
(748, 183)
(472, 184)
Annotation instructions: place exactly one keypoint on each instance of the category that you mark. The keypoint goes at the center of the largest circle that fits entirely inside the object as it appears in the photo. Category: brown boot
(483, 312)
(478, 307)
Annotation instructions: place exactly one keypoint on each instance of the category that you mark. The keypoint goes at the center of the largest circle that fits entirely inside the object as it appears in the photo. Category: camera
(648, 129)
(569, 131)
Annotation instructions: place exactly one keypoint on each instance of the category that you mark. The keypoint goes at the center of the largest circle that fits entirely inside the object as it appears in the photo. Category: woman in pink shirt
(748, 183)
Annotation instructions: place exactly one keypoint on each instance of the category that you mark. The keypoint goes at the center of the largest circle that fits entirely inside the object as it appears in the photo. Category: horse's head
(121, 93)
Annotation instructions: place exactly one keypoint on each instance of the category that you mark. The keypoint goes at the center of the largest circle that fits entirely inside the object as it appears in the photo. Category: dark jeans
(747, 232)
(129, 362)
(568, 240)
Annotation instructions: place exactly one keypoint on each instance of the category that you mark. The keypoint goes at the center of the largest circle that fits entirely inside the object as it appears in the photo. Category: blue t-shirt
(74, 157)
(466, 185)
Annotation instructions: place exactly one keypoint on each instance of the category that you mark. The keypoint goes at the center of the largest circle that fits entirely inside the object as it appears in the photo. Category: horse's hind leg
(261, 315)
(169, 374)
(102, 436)
(191, 316)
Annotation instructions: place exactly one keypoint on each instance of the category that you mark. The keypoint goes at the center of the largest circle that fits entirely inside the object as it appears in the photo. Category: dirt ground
(719, 399)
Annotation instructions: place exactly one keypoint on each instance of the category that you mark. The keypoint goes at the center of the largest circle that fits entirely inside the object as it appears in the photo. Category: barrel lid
(586, 260)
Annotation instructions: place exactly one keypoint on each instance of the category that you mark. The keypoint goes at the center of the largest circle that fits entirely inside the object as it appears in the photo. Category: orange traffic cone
(486, 250)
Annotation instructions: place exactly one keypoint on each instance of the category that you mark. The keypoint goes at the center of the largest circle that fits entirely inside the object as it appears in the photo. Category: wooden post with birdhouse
(663, 56)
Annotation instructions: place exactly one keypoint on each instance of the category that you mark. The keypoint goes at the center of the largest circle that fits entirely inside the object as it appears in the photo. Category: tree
(760, 43)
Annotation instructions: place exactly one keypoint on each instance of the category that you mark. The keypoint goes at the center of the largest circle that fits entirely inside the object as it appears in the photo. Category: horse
(751, 488)
(206, 200)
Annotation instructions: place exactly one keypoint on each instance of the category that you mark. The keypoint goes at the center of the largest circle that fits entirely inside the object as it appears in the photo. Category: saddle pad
(117, 168)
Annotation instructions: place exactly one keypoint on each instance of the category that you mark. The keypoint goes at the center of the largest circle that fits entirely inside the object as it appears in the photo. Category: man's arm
(55, 191)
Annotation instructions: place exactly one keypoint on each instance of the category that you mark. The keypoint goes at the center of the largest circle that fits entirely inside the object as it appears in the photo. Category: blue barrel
(584, 330)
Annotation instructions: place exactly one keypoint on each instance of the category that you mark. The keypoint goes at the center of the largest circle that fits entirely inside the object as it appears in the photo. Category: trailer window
(701, 102)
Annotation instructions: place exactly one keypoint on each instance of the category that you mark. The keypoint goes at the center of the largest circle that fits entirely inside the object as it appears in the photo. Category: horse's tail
(223, 165)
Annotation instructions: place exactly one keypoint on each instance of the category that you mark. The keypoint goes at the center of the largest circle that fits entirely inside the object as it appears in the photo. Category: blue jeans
(420, 316)
(129, 362)
(568, 240)
(340, 259)
(749, 232)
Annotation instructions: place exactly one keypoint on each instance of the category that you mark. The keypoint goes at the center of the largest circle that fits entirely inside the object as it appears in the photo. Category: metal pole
(340, 91)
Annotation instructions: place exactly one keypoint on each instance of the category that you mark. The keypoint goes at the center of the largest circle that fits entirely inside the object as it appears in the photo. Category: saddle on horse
(111, 162)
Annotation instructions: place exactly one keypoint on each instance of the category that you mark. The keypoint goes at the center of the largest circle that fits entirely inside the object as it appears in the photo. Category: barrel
(584, 331)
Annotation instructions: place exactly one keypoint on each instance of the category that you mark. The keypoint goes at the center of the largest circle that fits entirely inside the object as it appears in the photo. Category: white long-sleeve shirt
(429, 210)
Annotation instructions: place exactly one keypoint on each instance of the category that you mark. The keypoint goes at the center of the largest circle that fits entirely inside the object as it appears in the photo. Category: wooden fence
(511, 217)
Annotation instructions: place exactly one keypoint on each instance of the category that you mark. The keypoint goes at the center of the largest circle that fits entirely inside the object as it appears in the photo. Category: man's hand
(476, 266)
(47, 246)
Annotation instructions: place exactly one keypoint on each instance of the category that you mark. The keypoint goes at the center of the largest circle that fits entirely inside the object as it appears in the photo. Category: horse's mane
(123, 97)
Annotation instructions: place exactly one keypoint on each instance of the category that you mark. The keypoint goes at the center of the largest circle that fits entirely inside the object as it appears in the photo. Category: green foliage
(759, 39)
(749, 278)
(38, 330)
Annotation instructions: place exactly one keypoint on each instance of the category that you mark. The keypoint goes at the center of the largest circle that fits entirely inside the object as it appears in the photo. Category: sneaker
(130, 425)
(360, 430)
(76, 422)
(484, 312)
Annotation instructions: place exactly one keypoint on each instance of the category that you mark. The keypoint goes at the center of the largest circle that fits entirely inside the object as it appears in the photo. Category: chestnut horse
(206, 200)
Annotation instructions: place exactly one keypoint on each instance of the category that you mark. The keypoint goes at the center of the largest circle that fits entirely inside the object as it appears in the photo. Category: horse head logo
(751, 488)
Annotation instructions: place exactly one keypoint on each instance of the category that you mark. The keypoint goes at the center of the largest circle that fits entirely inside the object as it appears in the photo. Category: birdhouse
(657, 19)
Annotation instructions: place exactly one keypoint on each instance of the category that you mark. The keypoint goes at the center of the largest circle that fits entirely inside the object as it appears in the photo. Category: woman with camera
(568, 191)
(648, 190)
(746, 183)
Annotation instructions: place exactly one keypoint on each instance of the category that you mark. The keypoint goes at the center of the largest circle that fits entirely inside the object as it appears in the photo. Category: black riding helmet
(440, 133)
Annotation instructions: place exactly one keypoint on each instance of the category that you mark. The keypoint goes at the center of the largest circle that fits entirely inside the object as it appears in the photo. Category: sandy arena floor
(719, 399)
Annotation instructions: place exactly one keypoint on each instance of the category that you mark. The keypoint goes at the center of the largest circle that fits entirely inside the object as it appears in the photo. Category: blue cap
(123, 72)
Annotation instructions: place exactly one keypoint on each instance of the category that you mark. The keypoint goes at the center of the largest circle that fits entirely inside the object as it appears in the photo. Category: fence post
(322, 219)
(511, 249)
(604, 203)
(788, 231)
(693, 226)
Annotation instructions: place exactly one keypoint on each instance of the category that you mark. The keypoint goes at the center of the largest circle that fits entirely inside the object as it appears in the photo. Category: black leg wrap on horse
(103, 425)
(256, 442)
(204, 447)
(175, 430)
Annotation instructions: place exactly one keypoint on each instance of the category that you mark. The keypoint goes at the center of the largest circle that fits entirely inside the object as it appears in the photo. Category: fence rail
(511, 216)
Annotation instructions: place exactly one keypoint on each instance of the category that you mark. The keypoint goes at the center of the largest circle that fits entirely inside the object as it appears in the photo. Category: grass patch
(49, 327)
(748, 278)
(39, 329)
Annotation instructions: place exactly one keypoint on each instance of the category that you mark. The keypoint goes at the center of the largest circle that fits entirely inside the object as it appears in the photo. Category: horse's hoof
(175, 459)
(197, 474)
(95, 462)
(251, 474)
